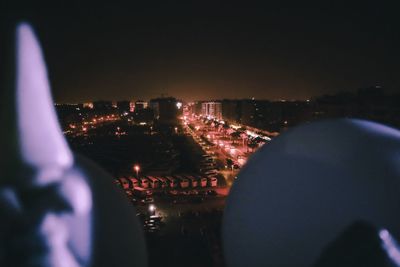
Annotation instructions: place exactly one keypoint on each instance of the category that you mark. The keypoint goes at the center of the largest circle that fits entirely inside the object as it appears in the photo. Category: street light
(136, 167)
(152, 209)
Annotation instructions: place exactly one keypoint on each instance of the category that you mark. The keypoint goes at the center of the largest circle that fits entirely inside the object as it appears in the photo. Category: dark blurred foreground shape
(321, 194)
(359, 245)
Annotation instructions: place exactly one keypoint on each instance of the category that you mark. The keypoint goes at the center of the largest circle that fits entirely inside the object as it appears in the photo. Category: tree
(252, 145)
(235, 135)
(225, 128)
(244, 137)
(229, 162)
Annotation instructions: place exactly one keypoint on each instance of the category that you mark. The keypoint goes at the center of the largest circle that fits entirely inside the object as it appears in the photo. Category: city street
(229, 146)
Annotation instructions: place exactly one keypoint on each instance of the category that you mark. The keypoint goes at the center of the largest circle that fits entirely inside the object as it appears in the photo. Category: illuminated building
(140, 104)
(88, 105)
(212, 110)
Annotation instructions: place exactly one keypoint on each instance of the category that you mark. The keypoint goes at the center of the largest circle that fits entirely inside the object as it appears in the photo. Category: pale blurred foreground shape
(57, 210)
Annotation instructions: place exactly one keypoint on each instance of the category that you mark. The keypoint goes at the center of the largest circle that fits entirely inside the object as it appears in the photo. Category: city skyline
(214, 49)
(376, 88)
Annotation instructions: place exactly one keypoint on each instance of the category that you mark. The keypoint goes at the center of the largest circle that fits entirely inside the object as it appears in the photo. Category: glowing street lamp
(152, 209)
(136, 167)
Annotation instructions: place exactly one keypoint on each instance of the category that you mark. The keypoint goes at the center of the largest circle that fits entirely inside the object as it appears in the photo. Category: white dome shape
(298, 193)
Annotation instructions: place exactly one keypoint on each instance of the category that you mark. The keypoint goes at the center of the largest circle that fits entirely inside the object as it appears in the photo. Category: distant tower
(212, 110)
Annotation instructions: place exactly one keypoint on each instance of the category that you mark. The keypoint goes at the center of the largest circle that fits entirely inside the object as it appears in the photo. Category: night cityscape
(177, 160)
(294, 110)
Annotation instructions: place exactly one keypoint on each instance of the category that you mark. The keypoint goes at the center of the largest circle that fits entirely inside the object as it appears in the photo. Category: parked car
(144, 182)
(124, 182)
(154, 183)
(193, 181)
(183, 182)
(134, 182)
(212, 181)
(173, 183)
(203, 181)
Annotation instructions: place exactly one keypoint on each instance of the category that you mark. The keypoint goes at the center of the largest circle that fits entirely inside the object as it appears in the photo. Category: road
(218, 142)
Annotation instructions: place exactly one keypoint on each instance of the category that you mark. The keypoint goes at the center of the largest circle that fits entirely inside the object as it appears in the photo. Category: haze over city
(213, 49)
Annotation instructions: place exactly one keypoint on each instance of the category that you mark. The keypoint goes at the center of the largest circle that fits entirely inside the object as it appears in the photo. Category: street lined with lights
(231, 144)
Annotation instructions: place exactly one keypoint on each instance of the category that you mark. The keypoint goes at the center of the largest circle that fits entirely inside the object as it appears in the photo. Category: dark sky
(214, 49)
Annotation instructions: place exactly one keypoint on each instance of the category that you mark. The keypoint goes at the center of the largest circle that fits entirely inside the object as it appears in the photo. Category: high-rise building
(212, 110)
(248, 111)
(166, 109)
(123, 106)
(102, 105)
(230, 110)
(140, 104)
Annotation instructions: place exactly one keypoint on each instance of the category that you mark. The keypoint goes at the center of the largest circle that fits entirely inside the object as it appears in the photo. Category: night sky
(214, 49)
